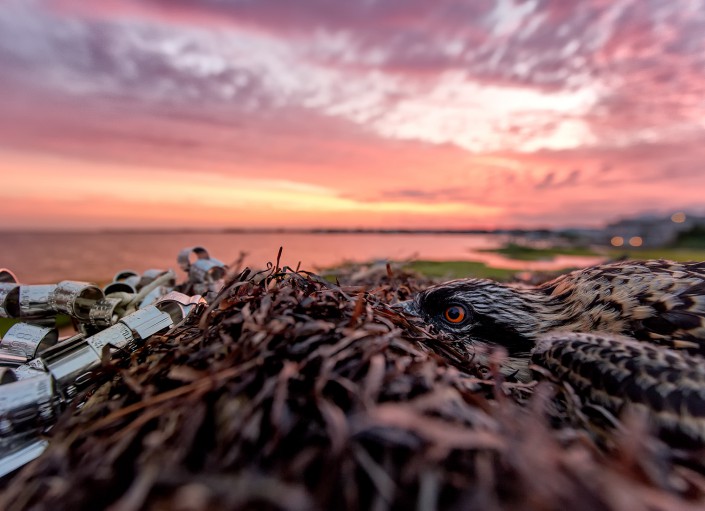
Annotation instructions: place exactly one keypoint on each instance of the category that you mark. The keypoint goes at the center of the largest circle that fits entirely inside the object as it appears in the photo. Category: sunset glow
(395, 114)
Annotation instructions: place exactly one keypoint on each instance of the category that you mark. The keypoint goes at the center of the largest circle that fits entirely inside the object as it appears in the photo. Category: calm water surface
(45, 258)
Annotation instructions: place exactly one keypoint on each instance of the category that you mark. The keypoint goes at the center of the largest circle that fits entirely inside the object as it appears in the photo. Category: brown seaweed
(291, 392)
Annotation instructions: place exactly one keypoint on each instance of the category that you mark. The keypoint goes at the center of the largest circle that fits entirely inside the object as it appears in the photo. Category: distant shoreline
(548, 232)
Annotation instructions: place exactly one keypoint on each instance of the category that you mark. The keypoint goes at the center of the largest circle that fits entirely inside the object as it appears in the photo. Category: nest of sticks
(291, 392)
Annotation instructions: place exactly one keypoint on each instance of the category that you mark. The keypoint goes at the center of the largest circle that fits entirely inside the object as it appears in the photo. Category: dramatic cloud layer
(324, 113)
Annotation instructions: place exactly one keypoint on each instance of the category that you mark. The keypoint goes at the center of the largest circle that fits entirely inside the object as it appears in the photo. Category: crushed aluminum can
(12, 358)
(73, 362)
(148, 321)
(48, 300)
(9, 300)
(178, 305)
(29, 339)
(184, 257)
(7, 375)
(125, 281)
(21, 393)
(150, 276)
(20, 454)
(205, 273)
(36, 301)
(118, 336)
(27, 404)
(7, 277)
(153, 296)
(103, 314)
(28, 370)
(31, 369)
(76, 298)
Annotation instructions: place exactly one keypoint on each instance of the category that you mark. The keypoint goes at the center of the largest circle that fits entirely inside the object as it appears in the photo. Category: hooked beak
(407, 307)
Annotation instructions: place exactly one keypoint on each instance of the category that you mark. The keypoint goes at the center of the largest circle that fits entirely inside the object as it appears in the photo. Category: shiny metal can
(27, 404)
(118, 336)
(150, 276)
(178, 305)
(9, 300)
(19, 453)
(103, 313)
(7, 277)
(125, 281)
(36, 301)
(71, 364)
(184, 258)
(76, 298)
(7, 375)
(148, 321)
(29, 339)
(12, 358)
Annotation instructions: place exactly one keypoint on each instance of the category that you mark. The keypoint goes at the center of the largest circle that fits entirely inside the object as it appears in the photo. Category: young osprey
(627, 333)
(662, 302)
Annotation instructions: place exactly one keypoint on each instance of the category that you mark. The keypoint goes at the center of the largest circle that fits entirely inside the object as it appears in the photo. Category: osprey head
(479, 311)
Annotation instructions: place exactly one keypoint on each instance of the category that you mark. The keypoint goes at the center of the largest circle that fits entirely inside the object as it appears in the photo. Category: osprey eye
(455, 314)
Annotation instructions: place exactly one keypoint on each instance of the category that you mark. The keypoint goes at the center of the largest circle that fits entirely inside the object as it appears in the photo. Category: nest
(291, 392)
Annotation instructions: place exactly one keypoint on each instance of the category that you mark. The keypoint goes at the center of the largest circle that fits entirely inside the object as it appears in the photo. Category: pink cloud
(552, 111)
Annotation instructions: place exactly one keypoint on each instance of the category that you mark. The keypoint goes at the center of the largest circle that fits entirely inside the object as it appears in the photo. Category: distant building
(650, 230)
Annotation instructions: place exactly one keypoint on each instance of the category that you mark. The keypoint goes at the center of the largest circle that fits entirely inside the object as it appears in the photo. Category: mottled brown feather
(618, 372)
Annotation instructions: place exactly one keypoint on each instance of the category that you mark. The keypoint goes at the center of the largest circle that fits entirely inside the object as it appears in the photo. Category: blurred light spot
(636, 241)
(617, 241)
(678, 218)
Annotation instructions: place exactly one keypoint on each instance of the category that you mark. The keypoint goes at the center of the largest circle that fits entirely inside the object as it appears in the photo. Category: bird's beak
(407, 307)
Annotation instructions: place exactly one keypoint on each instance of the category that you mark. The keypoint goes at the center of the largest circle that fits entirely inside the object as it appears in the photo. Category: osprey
(626, 332)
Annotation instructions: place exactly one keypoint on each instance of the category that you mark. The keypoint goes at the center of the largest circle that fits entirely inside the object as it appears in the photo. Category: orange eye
(454, 314)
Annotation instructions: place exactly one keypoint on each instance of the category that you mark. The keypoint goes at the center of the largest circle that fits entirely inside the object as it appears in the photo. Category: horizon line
(290, 230)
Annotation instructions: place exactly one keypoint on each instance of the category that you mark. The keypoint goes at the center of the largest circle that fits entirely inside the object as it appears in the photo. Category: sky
(327, 113)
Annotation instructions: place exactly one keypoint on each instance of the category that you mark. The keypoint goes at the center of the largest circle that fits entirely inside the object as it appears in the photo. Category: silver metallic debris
(73, 362)
(29, 370)
(27, 405)
(150, 276)
(20, 455)
(184, 257)
(36, 301)
(7, 375)
(179, 305)
(154, 295)
(28, 339)
(7, 277)
(25, 392)
(9, 300)
(103, 313)
(12, 358)
(76, 298)
(67, 297)
(125, 281)
(39, 374)
(148, 321)
(206, 274)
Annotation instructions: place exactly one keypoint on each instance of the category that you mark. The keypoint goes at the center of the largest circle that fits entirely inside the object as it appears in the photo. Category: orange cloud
(306, 114)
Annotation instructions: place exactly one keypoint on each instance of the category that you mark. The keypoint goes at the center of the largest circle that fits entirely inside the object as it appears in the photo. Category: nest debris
(290, 392)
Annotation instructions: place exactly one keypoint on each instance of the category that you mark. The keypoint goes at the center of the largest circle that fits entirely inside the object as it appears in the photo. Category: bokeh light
(678, 217)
